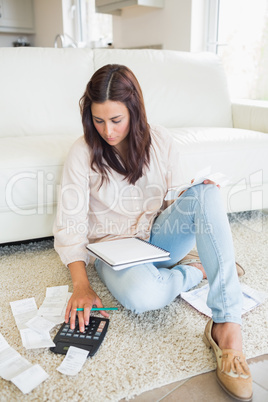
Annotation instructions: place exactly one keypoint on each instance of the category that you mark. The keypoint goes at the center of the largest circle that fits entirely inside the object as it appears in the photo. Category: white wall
(48, 21)
(170, 26)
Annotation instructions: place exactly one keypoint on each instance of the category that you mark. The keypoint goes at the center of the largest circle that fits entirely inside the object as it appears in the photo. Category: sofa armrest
(250, 114)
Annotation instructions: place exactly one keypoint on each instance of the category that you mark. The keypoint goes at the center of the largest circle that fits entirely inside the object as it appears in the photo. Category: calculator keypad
(92, 331)
(90, 339)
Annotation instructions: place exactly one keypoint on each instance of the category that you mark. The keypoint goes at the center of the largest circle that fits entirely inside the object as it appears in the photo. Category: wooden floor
(204, 387)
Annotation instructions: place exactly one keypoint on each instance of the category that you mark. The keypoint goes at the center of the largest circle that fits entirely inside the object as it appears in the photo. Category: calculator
(90, 339)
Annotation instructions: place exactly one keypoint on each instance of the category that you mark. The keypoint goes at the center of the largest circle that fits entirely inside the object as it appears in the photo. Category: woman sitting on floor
(113, 186)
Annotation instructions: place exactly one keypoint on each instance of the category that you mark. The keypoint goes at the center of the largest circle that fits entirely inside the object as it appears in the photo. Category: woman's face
(112, 121)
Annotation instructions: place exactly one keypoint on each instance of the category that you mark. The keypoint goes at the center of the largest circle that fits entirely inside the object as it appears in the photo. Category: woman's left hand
(204, 182)
(208, 182)
(211, 182)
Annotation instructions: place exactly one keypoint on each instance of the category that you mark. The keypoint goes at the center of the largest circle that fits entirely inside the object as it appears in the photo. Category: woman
(113, 185)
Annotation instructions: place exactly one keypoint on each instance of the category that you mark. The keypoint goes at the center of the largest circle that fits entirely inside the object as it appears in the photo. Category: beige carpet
(141, 352)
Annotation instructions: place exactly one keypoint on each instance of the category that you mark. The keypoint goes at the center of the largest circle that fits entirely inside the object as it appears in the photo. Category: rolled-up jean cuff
(221, 320)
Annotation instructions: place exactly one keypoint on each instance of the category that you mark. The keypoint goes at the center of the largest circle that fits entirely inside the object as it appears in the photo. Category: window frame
(212, 33)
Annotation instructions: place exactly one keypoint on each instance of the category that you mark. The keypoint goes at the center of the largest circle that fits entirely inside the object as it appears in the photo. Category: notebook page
(123, 251)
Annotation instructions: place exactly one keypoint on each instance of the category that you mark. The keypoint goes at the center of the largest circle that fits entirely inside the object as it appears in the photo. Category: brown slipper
(239, 269)
(232, 372)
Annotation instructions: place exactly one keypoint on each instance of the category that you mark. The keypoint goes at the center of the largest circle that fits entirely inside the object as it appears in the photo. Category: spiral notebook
(124, 253)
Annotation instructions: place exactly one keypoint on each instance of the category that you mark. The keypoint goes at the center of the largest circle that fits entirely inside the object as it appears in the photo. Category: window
(95, 29)
(238, 33)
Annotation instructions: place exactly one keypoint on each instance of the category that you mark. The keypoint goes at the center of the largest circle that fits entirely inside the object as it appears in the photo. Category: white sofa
(187, 93)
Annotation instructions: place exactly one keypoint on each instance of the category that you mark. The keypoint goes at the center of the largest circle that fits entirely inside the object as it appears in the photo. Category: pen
(99, 308)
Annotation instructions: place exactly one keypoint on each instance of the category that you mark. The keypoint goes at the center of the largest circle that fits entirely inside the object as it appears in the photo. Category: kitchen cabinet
(116, 6)
(16, 16)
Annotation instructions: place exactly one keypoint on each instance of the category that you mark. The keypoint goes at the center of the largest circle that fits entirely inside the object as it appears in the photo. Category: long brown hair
(117, 83)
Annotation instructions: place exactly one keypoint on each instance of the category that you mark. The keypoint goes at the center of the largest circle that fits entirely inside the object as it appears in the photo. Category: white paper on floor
(34, 325)
(73, 361)
(198, 298)
(15, 368)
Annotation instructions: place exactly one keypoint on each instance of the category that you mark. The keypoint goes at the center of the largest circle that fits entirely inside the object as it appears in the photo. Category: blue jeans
(196, 217)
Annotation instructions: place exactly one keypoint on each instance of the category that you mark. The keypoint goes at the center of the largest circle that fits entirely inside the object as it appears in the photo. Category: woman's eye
(116, 121)
(98, 121)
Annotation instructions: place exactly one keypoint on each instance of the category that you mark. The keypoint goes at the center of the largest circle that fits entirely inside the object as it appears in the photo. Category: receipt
(54, 302)
(23, 310)
(40, 324)
(57, 291)
(23, 306)
(73, 361)
(3, 343)
(22, 319)
(59, 319)
(34, 328)
(12, 363)
(15, 368)
(30, 378)
(34, 340)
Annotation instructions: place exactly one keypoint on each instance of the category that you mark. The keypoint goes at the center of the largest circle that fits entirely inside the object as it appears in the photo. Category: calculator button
(68, 334)
(82, 336)
(98, 334)
(88, 336)
(76, 336)
(96, 338)
(62, 333)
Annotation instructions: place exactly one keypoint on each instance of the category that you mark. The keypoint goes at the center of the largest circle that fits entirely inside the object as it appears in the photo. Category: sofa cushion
(180, 89)
(30, 169)
(40, 90)
(239, 154)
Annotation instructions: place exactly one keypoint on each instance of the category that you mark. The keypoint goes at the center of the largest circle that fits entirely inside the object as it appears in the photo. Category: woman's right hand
(83, 297)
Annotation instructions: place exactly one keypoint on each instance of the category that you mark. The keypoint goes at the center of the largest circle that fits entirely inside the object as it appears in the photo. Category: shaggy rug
(140, 352)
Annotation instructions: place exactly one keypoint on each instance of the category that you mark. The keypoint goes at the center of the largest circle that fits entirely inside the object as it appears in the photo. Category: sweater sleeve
(71, 225)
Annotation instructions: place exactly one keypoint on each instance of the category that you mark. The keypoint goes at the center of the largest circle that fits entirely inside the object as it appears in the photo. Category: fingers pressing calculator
(90, 339)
